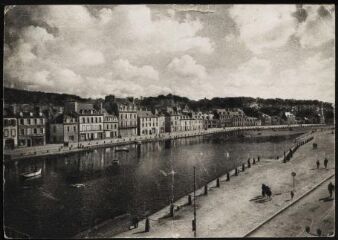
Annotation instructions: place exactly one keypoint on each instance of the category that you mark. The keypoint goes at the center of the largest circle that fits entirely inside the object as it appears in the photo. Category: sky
(195, 51)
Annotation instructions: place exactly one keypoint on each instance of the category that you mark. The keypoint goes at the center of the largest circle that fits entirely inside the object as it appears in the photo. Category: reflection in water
(52, 207)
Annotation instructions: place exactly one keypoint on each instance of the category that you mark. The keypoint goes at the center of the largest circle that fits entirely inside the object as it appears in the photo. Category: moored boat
(122, 149)
(31, 174)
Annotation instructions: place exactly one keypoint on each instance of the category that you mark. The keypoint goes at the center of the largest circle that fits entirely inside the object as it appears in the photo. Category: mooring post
(236, 171)
(258, 158)
(253, 161)
(171, 210)
(189, 200)
(206, 189)
(243, 167)
(228, 176)
(217, 183)
(249, 164)
(147, 225)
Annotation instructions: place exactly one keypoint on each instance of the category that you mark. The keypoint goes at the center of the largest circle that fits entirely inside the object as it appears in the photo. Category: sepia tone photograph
(168, 121)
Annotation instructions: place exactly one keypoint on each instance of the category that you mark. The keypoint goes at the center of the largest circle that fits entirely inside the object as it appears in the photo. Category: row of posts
(147, 223)
(289, 154)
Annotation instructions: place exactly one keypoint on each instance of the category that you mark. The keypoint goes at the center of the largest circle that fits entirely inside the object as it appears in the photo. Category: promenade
(236, 207)
(53, 149)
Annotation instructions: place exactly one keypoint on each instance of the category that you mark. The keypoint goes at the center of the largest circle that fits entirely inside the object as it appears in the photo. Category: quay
(235, 207)
(56, 149)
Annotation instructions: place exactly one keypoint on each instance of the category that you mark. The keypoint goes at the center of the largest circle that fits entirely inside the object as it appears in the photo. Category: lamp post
(194, 225)
(293, 174)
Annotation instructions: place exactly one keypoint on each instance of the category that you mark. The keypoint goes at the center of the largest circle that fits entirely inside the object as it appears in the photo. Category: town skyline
(191, 51)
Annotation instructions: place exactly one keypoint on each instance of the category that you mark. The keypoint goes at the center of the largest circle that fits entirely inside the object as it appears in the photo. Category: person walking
(318, 163)
(325, 162)
(263, 190)
(330, 188)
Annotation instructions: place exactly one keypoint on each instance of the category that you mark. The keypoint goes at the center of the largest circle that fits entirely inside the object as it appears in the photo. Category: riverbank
(56, 149)
(235, 208)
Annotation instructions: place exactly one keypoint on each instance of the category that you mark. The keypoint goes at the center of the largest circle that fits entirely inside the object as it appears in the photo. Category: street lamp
(293, 174)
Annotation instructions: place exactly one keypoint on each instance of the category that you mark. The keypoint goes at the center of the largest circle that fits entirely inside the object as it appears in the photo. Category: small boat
(31, 174)
(123, 149)
(78, 185)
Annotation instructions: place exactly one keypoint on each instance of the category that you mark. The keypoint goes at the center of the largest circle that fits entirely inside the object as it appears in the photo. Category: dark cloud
(323, 12)
(300, 14)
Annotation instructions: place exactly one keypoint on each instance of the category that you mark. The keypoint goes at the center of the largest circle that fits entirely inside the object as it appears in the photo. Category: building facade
(10, 132)
(147, 123)
(127, 120)
(31, 129)
(110, 126)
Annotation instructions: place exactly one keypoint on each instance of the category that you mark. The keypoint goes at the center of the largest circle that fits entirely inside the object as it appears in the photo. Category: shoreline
(59, 149)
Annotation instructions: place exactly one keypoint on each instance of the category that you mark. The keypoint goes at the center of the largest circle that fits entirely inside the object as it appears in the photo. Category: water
(49, 207)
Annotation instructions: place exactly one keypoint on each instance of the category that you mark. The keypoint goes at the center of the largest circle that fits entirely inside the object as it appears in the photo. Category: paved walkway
(237, 207)
(315, 210)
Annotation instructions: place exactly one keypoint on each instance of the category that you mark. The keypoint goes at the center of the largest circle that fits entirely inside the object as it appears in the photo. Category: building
(31, 129)
(161, 123)
(90, 120)
(147, 123)
(265, 119)
(64, 128)
(172, 122)
(10, 131)
(289, 118)
(127, 113)
(110, 126)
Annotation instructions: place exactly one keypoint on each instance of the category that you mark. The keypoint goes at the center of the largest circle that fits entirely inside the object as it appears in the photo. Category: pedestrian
(268, 192)
(292, 194)
(263, 190)
(330, 188)
(318, 163)
(325, 162)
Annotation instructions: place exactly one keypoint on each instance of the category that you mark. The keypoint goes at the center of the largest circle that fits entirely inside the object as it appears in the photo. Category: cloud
(73, 48)
(187, 67)
(318, 28)
(264, 26)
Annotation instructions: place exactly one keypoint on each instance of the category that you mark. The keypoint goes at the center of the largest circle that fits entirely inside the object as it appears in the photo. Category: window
(68, 129)
(35, 131)
(29, 131)
(6, 132)
(29, 121)
(41, 130)
(21, 121)
(35, 121)
(22, 131)
(92, 119)
(74, 128)
(13, 132)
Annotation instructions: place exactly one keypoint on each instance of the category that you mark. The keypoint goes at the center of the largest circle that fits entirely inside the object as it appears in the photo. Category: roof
(145, 114)
(30, 115)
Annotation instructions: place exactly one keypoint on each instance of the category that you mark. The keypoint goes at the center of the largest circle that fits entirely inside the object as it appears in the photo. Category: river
(49, 207)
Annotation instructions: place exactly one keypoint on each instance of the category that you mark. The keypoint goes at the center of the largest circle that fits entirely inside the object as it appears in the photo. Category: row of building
(78, 121)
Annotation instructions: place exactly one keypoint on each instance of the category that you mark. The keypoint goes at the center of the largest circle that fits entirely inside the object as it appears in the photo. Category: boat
(122, 149)
(78, 185)
(32, 174)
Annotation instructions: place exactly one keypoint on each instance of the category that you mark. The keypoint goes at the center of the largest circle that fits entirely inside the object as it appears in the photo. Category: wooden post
(206, 189)
(236, 171)
(189, 200)
(249, 164)
(243, 167)
(147, 226)
(217, 183)
(228, 176)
